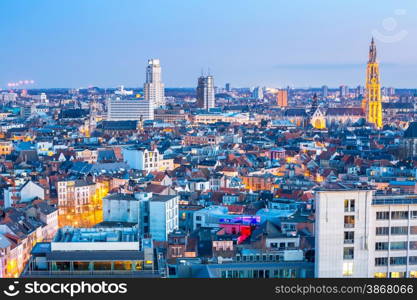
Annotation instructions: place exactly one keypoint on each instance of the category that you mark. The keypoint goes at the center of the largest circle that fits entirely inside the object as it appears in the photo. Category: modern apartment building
(129, 109)
(363, 234)
(163, 216)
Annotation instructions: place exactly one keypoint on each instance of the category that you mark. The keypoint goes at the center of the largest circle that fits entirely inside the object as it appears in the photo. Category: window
(398, 246)
(381, 246)
(349, 237)
(380, 275)
(348, 253)
(198, 218)
(413, 230)
(347, 268)
(399, 215)
(382, 230)
(413, 245)
(399, 230)
(413, 274)
(414, 214)
(349, 221)
(412, 260)
(398, 261)
(381, 261)
(397, 274)
(382, 215)
(349, 205)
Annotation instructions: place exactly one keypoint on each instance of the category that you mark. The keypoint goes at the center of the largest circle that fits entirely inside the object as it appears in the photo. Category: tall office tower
(372, 102)
(344, 91)
(391, 91)
(325, 91)
(153, 88)
(205, 92)
(360, 91)
(282, 98)
(258, 93)
(227, 87)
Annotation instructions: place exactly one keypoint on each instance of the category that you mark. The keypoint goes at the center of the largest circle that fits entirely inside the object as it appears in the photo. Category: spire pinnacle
(372, 51)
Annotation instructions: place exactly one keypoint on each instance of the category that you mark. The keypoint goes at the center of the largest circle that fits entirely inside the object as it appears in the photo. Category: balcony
(348, 241)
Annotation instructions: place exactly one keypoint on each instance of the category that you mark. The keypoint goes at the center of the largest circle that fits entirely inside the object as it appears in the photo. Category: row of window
(258, 258)
(396, 215)
(281, 273)
(381, 246)
(413, 274)
(395, 261)
(396, 230)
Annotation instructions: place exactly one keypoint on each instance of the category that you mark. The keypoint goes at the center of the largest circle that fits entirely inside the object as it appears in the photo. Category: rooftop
(89, 235)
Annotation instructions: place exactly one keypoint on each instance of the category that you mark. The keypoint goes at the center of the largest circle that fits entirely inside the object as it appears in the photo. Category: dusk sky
(274, 43)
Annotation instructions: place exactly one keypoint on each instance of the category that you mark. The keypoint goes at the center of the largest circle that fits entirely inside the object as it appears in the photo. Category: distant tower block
(372, 102)
(282, 98)
(154, 88)
(205, 92)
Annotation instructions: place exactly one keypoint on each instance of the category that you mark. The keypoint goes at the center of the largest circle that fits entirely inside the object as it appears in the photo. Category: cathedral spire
(372, 103)
(372, 52)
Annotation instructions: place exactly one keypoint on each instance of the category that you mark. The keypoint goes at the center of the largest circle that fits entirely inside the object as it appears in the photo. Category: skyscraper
(360, 91)
(325, 91)
(372, 102)
(258, 93)
(344, 91)
(205, 92)
(282, 98)
(154, 88)
(227, 87)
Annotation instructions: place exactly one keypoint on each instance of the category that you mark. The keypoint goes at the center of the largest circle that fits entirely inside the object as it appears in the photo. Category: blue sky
(302, 43)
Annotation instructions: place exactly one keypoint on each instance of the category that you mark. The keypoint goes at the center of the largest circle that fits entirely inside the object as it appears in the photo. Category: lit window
(347, 268)
(380, 275)
(397, 274)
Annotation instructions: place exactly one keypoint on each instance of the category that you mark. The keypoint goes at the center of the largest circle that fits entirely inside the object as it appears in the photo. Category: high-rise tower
(154, 88)
(372, 102)
(205, 92)
(282, 98)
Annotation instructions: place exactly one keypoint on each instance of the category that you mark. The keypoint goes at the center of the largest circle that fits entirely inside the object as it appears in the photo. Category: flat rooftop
(101, 234)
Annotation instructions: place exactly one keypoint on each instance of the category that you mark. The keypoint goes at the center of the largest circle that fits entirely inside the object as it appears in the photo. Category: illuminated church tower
(372, 103)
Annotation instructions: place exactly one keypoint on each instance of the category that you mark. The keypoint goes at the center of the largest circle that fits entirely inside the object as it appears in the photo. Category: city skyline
(107, 44)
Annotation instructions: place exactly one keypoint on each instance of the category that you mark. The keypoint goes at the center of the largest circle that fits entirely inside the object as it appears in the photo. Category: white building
(258, 93)
(163, 216)
(23, 193)
(75, 196)
(154, 88)
(359, 234)
(142, 159)
(122, 92)
(40, 98)
(121, 208)
(6, 97)
(129, 109)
